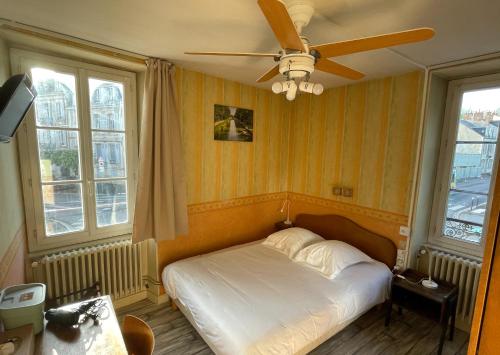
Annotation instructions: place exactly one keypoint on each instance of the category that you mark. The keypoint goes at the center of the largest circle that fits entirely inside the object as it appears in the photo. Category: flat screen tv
(16, 97)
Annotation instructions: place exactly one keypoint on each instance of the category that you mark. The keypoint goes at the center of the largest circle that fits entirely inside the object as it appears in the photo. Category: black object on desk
(88, 338)
(439, 303)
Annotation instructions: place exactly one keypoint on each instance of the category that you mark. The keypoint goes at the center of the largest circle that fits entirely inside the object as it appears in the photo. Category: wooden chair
(138, 336)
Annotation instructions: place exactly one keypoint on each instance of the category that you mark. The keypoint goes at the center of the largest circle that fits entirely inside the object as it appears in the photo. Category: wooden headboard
(334, 227)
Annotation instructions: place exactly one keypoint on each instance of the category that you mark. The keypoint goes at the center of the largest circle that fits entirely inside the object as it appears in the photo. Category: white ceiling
(167, 28)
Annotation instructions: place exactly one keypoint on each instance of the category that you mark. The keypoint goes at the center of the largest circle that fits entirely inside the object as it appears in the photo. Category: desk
(88, 338)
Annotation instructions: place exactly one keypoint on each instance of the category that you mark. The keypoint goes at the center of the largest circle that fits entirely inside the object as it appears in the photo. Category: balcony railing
(463, 230)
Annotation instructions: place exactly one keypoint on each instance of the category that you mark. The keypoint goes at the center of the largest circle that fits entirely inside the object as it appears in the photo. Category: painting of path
(233, 123)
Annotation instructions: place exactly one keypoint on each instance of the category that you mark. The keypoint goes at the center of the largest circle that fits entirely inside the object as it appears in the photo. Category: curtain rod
(74, 42)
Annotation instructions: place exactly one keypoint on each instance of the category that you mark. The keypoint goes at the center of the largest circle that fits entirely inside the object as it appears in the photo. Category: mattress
(252, 299)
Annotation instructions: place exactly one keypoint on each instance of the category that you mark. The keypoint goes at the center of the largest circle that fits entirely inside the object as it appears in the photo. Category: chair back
(138, 336)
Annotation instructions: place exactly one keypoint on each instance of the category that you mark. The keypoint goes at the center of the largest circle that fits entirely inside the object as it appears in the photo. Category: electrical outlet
(337, 190)
(347, 191)
(404, 230)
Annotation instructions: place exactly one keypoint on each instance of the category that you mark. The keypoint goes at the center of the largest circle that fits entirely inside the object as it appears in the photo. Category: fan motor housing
(300, 12)
(296, 65)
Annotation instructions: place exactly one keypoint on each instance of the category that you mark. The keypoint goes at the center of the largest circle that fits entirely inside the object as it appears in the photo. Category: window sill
(463, 252)
(92, 243)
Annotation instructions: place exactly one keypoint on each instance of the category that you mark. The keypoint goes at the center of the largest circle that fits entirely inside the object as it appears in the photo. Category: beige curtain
(160, 207)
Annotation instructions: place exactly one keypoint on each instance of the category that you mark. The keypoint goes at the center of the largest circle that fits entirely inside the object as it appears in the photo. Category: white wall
(11, 203)
(434, 117)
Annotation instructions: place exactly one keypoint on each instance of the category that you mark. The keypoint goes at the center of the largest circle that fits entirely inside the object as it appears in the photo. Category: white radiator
(462, 272)
(117, 266)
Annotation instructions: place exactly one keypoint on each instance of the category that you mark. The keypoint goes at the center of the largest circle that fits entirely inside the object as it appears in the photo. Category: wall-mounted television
(16, 97)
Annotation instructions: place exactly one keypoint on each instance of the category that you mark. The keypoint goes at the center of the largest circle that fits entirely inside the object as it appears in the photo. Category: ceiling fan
(298, 58)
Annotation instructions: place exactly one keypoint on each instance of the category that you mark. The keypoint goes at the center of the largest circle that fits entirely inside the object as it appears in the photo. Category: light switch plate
(404, 230)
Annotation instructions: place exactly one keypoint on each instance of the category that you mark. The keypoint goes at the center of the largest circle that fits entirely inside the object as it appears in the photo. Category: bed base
(175, 304)
(330, 227)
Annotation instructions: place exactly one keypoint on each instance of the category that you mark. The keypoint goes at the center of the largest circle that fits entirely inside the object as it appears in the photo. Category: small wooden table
(439, 304)
(89, 338)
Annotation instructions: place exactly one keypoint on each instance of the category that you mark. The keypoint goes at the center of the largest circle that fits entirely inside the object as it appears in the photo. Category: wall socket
(342, 191)
(347, 191)
(337, 190)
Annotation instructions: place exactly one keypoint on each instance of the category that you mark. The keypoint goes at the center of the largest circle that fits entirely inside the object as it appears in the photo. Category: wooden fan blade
(236, 54)
(271, 73)
(368, 43)
(331, 67)
(282, 25)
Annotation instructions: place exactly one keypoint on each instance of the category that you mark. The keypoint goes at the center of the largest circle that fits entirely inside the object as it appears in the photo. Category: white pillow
(330, 257)
(289, 241)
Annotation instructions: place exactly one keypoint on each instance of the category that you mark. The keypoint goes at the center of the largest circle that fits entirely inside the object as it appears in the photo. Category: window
(468, 164)
(78, 151)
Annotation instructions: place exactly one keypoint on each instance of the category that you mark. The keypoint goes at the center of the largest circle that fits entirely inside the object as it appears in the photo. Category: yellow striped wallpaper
(218, 170)
(362, 136)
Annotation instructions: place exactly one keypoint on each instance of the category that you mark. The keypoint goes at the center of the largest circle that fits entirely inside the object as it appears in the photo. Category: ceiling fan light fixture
(311, 88)
(280, 86)
(291, 91)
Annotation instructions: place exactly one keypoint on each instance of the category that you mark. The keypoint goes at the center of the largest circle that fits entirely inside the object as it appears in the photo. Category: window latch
(89, 185)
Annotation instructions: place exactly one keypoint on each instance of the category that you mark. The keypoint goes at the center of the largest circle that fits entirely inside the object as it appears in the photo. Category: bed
(251, 299)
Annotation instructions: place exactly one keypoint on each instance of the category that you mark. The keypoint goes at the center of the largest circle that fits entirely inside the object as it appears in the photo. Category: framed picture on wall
(233, 123)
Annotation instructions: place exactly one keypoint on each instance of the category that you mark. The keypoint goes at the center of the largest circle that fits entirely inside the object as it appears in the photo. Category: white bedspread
(252, 299)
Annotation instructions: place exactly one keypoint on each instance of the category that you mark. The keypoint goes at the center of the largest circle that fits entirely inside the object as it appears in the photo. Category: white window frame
(22, 61)
(446, 154)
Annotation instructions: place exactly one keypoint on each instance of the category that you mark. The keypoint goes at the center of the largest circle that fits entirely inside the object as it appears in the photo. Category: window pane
(473, 165)
(55, 104)
(111, 203)
(63, 208)
(108, 154)
(106, 105)
(59, 155)
(472, 172)
(468, 207)
(479, 115)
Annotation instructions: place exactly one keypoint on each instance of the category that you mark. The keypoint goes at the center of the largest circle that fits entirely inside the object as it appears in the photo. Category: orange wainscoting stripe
(381, 222)
(217, 225)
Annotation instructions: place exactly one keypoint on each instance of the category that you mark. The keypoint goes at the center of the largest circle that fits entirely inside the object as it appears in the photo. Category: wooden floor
(407, 334)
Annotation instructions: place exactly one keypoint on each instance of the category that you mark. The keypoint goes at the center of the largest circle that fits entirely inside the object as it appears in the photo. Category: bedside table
(282, 225)
(439, 303)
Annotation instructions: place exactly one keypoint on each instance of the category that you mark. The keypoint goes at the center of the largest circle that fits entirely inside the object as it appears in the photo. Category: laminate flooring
(409, 334)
